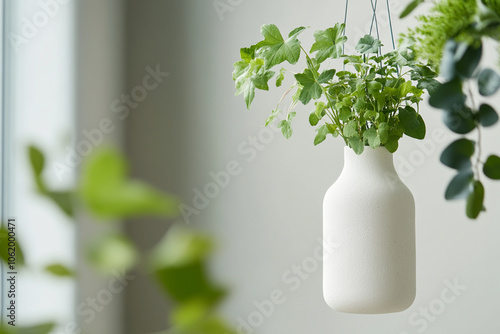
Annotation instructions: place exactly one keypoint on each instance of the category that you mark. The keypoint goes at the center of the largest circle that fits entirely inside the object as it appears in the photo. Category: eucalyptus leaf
(487, 116)
(459, 120)
(488, 82)
(475, 200)
(491, 167)
(448, 95)
(460, 185)
(457, 155)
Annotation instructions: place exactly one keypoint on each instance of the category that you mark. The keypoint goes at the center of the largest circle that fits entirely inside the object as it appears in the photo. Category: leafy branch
(373, 104)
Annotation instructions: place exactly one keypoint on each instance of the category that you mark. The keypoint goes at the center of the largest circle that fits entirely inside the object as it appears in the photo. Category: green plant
(452, 36)
(374, 102)
(178, 261)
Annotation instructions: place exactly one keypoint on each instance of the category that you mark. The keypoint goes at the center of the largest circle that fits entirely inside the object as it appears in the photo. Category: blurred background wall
(160, 70)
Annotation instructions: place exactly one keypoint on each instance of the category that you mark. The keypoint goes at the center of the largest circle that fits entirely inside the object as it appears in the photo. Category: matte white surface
(369, 217)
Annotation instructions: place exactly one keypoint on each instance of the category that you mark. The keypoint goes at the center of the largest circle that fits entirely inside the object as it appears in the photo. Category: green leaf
(475, 200)
(286, 128)
(249, 76)
(37, 160)
(63, 199)
(321, 135)
(487, 115)
(491, 167)
(178, 262)
(371, 136)
(410, 7)
(45, 328)
(383, 132)
(320, 109)
(295, 32)
(412, 123)
(280, 77)
(311, 89)
(457, 155)
(326, 76)
(313, 119)
(108, 193)
(15, 253)
(275, 49)
(430, 85)
(356, 144)
(460, 119)
(113, 252)
(469, 60)
(374, 86)
(351, 129)
(459, 187)
(273, 115)
(488, 82)
(392, 143)
(368, 44)
(329, 43)
(60, 270)
(448, 95)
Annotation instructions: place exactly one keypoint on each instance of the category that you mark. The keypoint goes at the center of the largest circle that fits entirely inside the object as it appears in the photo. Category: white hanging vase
(369, 216)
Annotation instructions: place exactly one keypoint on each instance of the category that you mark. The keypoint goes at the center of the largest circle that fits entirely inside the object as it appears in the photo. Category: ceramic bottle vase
(369, 217)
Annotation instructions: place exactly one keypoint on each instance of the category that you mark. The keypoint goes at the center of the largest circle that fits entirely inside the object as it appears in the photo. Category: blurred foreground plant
(178, 261)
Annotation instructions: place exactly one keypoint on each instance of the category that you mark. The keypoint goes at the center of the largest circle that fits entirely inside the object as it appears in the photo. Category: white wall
(269, 217)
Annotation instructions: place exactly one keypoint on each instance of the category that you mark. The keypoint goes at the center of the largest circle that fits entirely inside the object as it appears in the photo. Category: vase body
(369, 217)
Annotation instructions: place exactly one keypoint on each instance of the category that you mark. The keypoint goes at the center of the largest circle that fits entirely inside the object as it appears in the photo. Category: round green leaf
(460, 120)
(475, 200)
(459, 187)
(448, 95)
(487, 115)
(457, 154)
(313, 119)
(488, 82)
(491, 167)
(469, 60)
(356, 144)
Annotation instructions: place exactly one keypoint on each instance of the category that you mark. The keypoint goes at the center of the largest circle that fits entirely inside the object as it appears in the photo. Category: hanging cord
(390, 25)
(374, 19)
(345, 21)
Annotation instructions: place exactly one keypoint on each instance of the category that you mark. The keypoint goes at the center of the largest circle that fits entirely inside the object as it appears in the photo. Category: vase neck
(370, 162)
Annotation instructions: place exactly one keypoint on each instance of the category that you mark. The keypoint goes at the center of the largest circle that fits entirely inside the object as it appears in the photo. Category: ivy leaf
(392, 143)
(475, 200)
(410, 8)
(491, 167)
(412, 123)
(356, 144)
(280, 77)
(488, 82)
(371, 136)
(311, 89)
(368, 44)
(351, 129)
(383, 132)
(487, 115)
(321, 136)
(275, 49)
(286, 128)
(112, 252)
(273, 115)
(250, 75)
(329, 43)
(326, 76)
(459, 187)
(457, 155)
(313, 119)
(320, 109)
